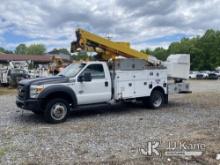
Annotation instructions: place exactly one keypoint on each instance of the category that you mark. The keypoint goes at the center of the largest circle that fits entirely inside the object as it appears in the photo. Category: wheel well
(62, 95)
(159, 89)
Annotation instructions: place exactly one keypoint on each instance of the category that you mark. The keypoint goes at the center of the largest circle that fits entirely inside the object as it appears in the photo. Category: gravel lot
(114, 135)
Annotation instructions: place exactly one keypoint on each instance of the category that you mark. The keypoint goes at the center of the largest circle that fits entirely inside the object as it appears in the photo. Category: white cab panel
(92, 92)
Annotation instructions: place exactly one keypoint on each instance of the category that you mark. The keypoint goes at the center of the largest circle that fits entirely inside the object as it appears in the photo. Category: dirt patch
(7, 91)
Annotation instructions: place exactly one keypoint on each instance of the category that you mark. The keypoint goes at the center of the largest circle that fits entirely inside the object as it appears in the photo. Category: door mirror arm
(80, 78)
(85, 77)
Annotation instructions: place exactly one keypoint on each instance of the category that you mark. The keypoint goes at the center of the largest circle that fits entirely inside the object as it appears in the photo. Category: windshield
(71, 70)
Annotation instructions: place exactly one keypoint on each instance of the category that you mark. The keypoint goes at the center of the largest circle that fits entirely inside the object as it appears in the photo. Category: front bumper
(29, 104)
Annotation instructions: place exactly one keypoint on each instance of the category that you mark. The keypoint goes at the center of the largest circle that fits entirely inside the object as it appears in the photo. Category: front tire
(56, 111)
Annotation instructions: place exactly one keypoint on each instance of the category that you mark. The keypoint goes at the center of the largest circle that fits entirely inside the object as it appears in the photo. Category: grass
(7, 91)
(2, 152)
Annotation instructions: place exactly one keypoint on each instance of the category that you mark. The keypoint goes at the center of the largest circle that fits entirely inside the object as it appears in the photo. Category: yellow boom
(105, 48)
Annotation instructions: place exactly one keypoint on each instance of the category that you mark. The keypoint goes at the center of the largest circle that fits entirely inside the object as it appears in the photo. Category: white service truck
(12, 73)
(136, 77)
(97, 82)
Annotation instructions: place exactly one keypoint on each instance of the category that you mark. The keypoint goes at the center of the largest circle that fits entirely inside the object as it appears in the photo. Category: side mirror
(85, 77)
(80, 78)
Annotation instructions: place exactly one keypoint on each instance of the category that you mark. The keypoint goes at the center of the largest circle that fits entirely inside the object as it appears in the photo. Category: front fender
(56, 89)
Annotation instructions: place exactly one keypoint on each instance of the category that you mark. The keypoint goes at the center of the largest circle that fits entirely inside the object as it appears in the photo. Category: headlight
(35, 90)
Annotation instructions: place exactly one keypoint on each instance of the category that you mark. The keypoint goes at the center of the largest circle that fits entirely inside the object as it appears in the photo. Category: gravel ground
(115, 134)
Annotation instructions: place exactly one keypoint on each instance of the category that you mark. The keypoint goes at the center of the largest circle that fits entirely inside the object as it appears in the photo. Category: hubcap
(157, 100)
(58, 111)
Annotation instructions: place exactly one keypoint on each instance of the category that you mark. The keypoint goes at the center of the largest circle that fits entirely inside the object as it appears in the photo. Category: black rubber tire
(150, 101)
(47, 113)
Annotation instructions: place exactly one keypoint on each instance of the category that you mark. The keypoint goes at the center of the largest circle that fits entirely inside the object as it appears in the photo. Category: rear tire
(156, 99)
(56, 111)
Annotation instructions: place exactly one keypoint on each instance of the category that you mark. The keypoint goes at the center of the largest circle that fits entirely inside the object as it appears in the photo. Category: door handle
(106, 83)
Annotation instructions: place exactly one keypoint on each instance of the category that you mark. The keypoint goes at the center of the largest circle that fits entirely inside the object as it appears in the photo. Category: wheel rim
(58, 111)
(157, 100)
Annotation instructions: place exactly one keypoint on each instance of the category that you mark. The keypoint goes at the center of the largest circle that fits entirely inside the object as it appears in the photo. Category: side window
(96, 70)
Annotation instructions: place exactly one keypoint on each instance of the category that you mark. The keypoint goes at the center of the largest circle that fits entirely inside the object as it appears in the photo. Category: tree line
(34, 49)
(204, 50)
(5, 51)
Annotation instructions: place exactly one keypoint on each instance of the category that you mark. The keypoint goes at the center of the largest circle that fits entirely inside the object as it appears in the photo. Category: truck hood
(42, 81)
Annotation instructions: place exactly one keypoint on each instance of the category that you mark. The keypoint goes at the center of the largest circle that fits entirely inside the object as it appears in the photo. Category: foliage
(21, 49)
(34, 49)
(2, 50)
(60, 51)
(81, 56)
(204, 50)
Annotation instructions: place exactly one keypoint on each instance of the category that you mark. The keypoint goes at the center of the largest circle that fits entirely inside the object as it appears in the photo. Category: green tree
(60, 51)
(2, 50)
(36, 49)
(21, 49)
(204, 50)
(81, 56)
(160, 53)
(147, 51)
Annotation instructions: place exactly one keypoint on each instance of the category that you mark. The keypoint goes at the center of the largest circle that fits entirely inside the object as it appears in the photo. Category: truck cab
(78, 84)
(91, 82)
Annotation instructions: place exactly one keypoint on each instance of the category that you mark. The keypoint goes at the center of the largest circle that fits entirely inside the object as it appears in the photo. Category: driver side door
(96, 90)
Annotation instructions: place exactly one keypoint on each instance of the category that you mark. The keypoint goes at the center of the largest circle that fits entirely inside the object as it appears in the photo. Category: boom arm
(105, 48)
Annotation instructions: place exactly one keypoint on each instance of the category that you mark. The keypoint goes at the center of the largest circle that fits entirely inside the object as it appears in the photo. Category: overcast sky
(144, 23)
